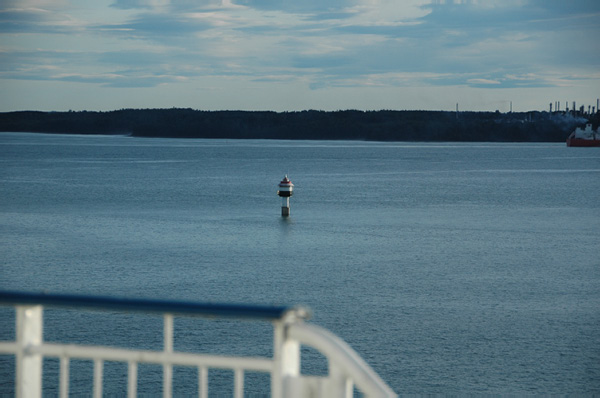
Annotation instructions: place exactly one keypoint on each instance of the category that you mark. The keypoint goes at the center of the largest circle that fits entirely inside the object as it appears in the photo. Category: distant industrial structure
(591, 110)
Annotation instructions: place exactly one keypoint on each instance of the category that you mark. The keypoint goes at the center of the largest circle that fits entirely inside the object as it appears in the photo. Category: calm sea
(451, 268)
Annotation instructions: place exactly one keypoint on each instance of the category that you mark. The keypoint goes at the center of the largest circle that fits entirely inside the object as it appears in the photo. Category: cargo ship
(584, 137)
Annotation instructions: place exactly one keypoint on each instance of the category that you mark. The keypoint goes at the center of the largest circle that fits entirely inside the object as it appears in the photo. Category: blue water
(451, 268)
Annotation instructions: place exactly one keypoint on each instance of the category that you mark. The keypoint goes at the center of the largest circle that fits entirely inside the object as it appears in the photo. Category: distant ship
(587, 137)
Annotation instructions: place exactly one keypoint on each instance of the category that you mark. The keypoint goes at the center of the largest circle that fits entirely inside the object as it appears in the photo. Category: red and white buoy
(286, 189)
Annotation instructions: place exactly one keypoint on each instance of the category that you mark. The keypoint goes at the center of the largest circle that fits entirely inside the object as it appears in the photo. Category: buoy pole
(286, 189)
(285, 207)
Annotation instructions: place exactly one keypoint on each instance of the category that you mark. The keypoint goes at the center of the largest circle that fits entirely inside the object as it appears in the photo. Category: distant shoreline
(381, 125)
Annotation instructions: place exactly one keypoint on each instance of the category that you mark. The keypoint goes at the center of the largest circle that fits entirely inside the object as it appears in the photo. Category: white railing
(347, 369)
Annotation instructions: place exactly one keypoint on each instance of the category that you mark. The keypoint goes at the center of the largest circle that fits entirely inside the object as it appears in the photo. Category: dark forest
(381, 125)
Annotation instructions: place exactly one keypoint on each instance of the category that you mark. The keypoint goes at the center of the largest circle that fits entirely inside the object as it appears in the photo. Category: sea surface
(451, 268)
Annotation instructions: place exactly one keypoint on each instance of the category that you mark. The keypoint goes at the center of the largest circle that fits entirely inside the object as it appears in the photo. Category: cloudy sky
(298, 54)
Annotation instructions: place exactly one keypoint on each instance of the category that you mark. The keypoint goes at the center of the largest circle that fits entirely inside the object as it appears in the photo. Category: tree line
(384, 125)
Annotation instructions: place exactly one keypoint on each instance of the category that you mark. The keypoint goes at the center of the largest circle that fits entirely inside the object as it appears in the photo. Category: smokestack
(558, 106)
(551, 107)
(574, 109)
(598, 104)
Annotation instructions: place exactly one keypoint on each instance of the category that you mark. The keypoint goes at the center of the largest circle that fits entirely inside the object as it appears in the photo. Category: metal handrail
(240, 311)
(346, 368)
(340, 353)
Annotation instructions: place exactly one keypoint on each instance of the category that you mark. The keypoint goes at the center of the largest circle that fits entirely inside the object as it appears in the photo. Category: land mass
(384, 125)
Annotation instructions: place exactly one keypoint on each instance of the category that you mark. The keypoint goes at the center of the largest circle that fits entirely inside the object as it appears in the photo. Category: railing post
(168, 348)
(340, 385)
(238, 383)
(203, 382)
(98, 372)
(286, 361)
(64, 377)
(29, 366)
(132, 371)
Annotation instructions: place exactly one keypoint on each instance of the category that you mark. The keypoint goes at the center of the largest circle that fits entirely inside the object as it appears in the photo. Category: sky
(290, 55)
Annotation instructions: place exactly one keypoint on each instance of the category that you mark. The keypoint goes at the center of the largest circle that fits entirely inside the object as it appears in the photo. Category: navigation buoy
(286, 189)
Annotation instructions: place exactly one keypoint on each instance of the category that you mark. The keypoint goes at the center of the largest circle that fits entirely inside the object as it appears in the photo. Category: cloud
(295, 6)
(490, 39)
(121, 80)
(137, 4)
(32, 4)
(156, 26)
(48, 66)
(482, 82)
(36, 20)
(483, 44)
